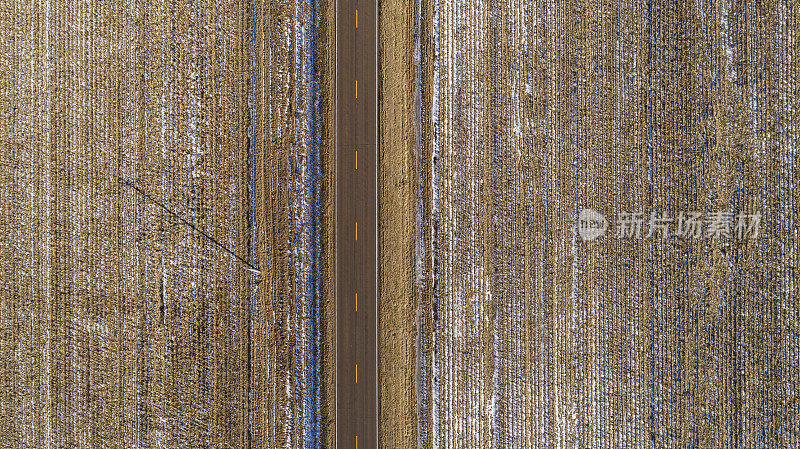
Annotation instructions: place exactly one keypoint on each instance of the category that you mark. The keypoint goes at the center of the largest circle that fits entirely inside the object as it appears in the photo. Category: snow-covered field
(531, 337)
(119, 324)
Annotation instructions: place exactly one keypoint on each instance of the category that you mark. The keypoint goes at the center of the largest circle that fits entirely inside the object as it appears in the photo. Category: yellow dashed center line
(356, 230)
(356, 89)
(356, 159)
(356, 302)
(356, 18)
(356, 372)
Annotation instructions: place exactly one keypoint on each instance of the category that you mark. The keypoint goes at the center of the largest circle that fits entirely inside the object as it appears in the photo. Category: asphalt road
(356, 155)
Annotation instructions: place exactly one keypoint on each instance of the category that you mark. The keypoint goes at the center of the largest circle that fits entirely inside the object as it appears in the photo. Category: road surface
(356, 155)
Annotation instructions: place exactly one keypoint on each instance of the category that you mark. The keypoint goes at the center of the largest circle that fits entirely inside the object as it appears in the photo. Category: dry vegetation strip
(397, 289)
